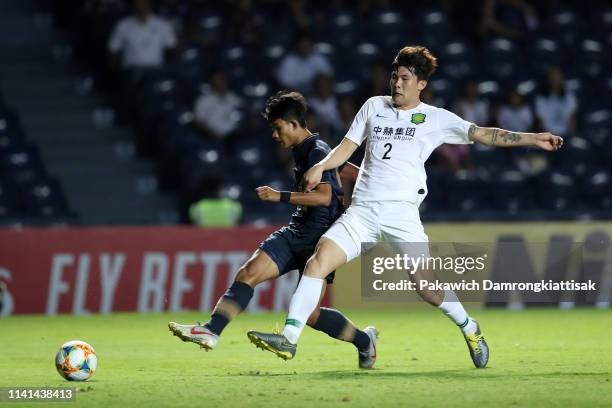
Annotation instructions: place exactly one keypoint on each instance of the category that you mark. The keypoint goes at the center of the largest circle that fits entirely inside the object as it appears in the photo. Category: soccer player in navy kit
(289, 247)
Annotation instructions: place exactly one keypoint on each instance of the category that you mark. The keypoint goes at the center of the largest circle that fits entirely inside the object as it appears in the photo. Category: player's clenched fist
(266, 193)
(312, 177)
(548, 141)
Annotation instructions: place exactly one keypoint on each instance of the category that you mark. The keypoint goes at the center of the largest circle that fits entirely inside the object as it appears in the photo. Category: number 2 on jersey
(388, 146)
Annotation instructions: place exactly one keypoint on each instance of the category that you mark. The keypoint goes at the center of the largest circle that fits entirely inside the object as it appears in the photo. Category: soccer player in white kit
(400, 133)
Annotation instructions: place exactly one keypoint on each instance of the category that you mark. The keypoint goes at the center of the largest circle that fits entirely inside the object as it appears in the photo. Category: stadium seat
(467, 191)
(490, 89)
(211, 24)
(343, 29)
(191, 64)
(593, 58)
(512, 192)
(388, 30)
(544, 53)
(10, 199)
(457, 60)
(596, 126)
(503, 59)
(564, 23)
(21, 163)
(596, 187)
(556, 191)
(10, 125)
(434, 27)
(601, 18)
(45, 198)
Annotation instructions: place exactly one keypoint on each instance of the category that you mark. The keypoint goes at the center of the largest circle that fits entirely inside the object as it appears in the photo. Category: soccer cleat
(479, 350)
(199, 334)
(274, 342)
(368, 358)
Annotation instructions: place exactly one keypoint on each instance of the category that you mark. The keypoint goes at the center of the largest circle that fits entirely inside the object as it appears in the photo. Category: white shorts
(379, 221)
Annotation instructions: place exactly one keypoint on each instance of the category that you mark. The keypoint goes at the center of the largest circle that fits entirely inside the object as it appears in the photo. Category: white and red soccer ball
(76, 361)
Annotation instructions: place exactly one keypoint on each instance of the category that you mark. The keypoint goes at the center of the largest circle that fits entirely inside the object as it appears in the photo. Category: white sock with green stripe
(303, 303)
(452, 307)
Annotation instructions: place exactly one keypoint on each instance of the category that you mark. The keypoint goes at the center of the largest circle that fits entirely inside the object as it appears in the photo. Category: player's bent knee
(327, 257)
(315, 268)
(251, 274)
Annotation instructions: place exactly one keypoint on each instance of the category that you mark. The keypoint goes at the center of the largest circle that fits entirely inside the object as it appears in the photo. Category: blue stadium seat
(596, 126)
(545, 52)
(512, 192)
(191, 65)
(388, 30)
(503, 59)
(10, 125)
(343, 29)
(21, 163)
(457, 60)
(564, 23)
(593, 57)
(467, 191)
(201, 167)
(434, 26)
(596, 188)
(601, 18)
(45, 198)
(10, 199)
(211, 24)
(556, 191)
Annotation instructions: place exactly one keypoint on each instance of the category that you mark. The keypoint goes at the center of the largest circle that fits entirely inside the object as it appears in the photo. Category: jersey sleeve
(454, 130)
(357, 131)
(316, 155)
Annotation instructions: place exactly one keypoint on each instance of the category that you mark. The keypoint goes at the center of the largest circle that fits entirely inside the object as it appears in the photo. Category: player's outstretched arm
(505, 138)
(320, 196)
(334, 159)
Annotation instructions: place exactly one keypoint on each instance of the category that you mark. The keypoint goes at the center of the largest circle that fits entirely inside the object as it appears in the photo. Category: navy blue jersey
(305, 155)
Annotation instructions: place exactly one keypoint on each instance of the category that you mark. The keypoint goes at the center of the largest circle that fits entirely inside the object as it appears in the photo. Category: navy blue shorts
(290, 249)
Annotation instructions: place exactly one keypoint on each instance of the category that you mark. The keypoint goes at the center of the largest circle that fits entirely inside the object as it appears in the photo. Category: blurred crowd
(191, 77)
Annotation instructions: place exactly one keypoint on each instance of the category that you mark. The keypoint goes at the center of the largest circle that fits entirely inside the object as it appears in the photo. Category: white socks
(452, 307)
(303, 303)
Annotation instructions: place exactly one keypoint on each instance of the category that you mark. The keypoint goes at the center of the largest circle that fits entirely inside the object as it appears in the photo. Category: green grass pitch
(538, 358)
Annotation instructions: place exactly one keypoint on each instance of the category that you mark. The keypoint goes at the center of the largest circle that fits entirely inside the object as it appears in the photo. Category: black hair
(418, 59)
(286, 105)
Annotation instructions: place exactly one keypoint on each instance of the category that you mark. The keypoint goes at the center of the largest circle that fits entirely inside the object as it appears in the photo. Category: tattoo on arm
(471, 132)
(505, 137)
(494, 135)
(511, 137)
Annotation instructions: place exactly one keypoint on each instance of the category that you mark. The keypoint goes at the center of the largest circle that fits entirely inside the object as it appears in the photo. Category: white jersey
(398, 144)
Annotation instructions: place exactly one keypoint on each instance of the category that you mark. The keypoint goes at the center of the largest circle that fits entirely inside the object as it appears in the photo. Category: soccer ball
(76, 361)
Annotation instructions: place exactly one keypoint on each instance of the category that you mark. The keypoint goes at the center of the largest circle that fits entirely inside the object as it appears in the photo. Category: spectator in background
(508, 18)
(515, 114)
(324, 104)
(555, 107)
(141, 39)
(217, 113)
(470, 107)
(298, 69)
